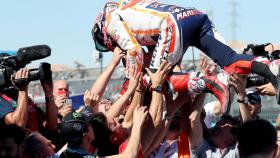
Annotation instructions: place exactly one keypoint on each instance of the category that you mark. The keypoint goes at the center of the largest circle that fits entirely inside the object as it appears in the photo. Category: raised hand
(134, 79)
(139, 115)
(239, 84)
(21, 79)
(266, 89)
(59, 101)
(91, 99)
(160, 75)
(206, 67)
(117, 55)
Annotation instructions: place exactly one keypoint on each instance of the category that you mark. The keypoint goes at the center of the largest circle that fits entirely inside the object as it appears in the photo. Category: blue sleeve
(5, 108)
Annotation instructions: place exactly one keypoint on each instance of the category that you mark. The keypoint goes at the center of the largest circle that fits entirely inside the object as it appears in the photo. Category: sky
(65, 25)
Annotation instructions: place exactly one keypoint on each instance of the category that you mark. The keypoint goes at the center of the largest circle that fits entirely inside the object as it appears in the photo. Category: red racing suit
(171, 29)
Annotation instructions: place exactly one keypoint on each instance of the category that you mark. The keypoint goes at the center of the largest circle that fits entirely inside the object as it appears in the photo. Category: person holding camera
(61, 97)
(12, 112)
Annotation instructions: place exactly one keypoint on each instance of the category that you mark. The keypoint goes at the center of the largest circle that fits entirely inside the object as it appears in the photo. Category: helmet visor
(98, 39)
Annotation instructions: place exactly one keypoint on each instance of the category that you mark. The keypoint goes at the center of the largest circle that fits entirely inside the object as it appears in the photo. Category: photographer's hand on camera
(21, 79)
(266, 89)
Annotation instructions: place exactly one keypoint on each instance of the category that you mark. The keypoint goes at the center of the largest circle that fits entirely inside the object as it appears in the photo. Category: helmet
(101, 40)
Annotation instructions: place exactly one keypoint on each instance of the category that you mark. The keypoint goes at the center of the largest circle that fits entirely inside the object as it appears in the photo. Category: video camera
(259, 50)
(9, 64)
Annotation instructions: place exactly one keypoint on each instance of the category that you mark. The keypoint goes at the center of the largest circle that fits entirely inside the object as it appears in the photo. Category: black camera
(9, 64)
(259, 50)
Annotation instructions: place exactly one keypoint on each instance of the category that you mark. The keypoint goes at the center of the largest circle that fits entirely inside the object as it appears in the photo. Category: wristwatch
(244, 101)
(158, 89)
(240, 101)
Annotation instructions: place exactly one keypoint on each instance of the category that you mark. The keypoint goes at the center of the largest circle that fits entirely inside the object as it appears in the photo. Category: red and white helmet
(101, 40)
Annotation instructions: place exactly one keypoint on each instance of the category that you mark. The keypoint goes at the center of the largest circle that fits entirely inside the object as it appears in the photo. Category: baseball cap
(253, 97)
(73, 124)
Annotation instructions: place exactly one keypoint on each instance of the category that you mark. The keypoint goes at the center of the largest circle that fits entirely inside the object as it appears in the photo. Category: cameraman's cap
(253, 97)
(73, 125)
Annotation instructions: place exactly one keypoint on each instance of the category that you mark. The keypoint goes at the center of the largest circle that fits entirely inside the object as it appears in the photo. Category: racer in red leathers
(171, 29)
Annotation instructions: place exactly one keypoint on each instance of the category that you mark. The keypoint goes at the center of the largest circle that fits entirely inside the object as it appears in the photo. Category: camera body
(9, 64)
(254, 80)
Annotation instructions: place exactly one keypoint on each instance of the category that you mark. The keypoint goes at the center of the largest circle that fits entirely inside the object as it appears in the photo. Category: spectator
(19, 114)
(61, 93)
(78, 134)
(38, 146)
(221, 143)
(257, 139)
(254, 104)
(119, 134)
(169, 147)
(11, 139)
(102, 142)
(249, 102)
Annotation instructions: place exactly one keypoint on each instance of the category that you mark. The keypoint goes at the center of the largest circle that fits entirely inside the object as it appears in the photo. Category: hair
(102, 135)
(233, 120)
(32, 144)
(175, 124)
(14, 132)
(256, 137)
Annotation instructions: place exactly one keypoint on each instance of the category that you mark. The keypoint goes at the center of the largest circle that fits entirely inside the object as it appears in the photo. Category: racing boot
(196, 83)
(218, 85)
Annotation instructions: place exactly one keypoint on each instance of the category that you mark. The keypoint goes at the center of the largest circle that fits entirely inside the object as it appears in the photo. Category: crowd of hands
(145, 122)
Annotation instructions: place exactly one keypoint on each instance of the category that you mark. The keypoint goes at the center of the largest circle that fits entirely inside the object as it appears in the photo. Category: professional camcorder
(259, 50)
(9, 64)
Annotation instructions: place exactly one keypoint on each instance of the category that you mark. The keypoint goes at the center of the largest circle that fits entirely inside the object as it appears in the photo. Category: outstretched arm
(101, 83)
(51, 109)
(20, 115)
(118, 106)
(239, 84)
(137, 99)
(131, 151)
(196, 130)
(157, 104)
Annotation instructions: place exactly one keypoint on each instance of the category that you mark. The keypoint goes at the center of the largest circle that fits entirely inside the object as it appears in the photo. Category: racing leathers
(172, 29)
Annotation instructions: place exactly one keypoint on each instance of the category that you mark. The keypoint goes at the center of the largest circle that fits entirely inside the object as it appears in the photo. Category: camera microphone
(28, 54)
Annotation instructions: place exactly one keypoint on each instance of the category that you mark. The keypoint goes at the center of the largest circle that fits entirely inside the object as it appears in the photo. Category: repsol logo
(185, 14)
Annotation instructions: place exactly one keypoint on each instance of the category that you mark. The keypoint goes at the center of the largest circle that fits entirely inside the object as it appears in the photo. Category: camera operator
(18, 116)
(262, 85)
